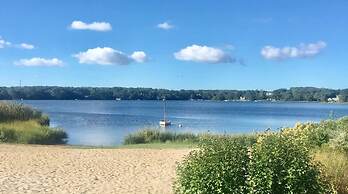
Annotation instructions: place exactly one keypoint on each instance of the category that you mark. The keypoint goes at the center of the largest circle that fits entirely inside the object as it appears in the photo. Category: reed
(22, 124)
(157, 136)
(147, 136)
(30, 132)
(10, 111)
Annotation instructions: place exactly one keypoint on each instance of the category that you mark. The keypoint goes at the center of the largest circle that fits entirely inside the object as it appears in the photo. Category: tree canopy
(112, 93)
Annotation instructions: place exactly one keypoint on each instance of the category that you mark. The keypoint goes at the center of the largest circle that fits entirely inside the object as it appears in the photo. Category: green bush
(330, 132)
(339, 136)
(279, 164)
(220, 165)
(276, 163)
(311, 134)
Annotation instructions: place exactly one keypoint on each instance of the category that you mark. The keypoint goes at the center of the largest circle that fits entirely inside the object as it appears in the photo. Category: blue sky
(175, 44)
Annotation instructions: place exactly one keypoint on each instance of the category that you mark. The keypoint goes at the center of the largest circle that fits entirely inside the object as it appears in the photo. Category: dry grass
(335, 164)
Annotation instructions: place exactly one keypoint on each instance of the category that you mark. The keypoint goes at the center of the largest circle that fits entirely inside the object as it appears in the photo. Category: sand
(62, 169)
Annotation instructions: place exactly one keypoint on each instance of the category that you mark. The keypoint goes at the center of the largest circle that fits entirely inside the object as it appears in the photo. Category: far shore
(195, 100)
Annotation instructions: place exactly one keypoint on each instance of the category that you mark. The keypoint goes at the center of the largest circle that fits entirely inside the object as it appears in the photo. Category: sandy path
(55, 169)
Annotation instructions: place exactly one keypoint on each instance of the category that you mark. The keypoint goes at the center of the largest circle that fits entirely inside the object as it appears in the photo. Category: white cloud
(109, 56)
(4, 43)
(96, 26)
(37, 61)
(26, 46)
(203, 54)
(301, 51)
(139, 56)
(165, 26)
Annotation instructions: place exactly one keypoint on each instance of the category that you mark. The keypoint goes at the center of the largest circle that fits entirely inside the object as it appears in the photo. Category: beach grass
(25, 125)
(30, 132)
(165, 138)
(10, 111)
(148, 136)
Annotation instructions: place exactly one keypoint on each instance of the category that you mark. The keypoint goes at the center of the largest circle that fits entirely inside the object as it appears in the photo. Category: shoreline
(122, 146)
(190, 100)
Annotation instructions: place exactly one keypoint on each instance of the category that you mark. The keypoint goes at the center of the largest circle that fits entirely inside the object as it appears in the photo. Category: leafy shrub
(276, 163)
(328, 140)
(311, 134)
(218, 166)
(339, 136)
(329, 132)
(281, 165)
(30, 132)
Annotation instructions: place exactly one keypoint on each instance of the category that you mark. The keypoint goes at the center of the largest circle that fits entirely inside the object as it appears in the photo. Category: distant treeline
(113, 93)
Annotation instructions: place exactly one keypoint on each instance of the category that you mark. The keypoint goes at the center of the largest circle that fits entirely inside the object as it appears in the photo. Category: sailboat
(164, 122)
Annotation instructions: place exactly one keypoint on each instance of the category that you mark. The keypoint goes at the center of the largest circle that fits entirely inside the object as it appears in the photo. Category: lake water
(106, 123)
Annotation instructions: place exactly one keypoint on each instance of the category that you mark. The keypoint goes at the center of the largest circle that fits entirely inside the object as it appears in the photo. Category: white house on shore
(333, 100)
(242, 98)
(269, 93)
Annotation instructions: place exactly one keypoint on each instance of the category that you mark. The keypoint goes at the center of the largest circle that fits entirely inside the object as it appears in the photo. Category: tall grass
(10, 111)
(335, 165)
(157, 136)
(147, 136)
(22, 124)
(30, 132)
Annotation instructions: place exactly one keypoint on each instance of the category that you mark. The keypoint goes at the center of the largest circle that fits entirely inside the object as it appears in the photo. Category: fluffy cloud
(204, 54)
(165, 26)
(109, 56)
(26, 46)
(37, 61)
(301, 51)
(4, 43)
(139, 56)
(96, 26)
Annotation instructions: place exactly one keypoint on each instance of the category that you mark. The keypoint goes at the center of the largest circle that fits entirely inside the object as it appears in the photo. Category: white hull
(164, 123)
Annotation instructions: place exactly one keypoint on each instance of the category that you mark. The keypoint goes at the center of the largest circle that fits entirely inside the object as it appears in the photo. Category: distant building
(269, 93)
(332, 100)
(242, 98)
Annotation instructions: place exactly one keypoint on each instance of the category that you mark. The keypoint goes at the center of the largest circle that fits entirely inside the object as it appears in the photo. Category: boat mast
(164, 110)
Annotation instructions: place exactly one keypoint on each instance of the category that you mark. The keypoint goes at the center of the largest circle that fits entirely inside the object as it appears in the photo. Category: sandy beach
(63, 169)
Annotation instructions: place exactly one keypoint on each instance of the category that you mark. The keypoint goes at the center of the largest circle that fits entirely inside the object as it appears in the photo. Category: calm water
(108, 122)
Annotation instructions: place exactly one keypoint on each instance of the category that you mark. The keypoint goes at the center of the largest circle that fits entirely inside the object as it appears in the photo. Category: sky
(182, 44)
